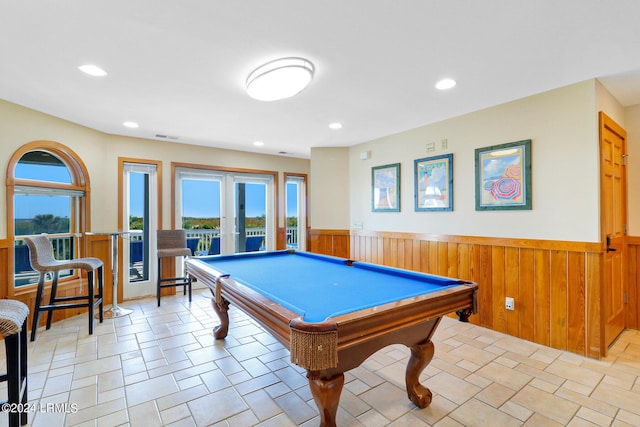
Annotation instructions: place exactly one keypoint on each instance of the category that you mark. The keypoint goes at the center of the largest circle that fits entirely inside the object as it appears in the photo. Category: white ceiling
(178, 67)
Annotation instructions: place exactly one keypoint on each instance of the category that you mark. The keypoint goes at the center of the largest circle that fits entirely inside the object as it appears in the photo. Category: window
(48, 195)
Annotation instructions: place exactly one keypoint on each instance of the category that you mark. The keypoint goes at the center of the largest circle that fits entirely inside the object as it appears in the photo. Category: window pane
(201, 213)
(42, 214)
(250, 216)
(138, 220)
(292, 214)
(42, 166)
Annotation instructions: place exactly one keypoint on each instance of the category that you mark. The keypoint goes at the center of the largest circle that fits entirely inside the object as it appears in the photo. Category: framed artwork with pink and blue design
(503, 176)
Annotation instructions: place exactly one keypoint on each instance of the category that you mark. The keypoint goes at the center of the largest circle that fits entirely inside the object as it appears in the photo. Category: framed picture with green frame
(385, 188)
(503, 176)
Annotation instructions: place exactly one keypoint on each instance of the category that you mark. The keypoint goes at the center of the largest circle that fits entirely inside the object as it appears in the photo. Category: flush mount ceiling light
(335, 126)
(132, 125)
(445, 84)
(279, 79)
(92, 70)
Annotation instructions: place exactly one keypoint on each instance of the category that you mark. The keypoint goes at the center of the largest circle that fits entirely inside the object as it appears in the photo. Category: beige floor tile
(505, 376)
(546, 404)
(476, 413)
(594, 417)
(146, 414)
(162, 366)
(151, 389)
(495, 395)
(574, 373)
(616, 396)
(451, 387)
(389, 400)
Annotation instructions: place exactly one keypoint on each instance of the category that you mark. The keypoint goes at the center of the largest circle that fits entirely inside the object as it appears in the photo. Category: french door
(226, 212)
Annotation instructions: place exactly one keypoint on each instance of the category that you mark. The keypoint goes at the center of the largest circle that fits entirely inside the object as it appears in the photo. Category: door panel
(140, 216)
(613, 220)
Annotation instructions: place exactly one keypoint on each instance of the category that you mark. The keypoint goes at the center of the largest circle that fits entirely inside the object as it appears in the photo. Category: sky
(202, 198)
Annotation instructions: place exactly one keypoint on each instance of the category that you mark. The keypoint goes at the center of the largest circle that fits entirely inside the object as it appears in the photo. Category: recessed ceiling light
(131, 125)
(279, 79)
(92, 70)
(445, 84)
(258, 143)
(335, 125)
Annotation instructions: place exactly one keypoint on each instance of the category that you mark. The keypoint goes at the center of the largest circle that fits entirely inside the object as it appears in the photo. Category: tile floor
(162, 367)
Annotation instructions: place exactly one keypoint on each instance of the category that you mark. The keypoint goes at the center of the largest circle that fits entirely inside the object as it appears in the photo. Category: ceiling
(178, 68)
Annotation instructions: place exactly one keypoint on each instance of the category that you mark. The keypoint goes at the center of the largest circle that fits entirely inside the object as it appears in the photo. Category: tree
(49, 223)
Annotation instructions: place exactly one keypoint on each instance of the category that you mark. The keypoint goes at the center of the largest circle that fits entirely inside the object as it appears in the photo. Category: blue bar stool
(13, 328)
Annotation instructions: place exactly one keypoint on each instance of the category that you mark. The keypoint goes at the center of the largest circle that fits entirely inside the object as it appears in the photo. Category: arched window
(47, 192)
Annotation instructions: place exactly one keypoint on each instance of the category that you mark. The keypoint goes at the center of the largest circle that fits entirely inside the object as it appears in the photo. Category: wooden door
(613, 224)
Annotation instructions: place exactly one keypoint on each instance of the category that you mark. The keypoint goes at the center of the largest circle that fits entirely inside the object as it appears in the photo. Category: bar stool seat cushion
(174, 252)
(12, 316)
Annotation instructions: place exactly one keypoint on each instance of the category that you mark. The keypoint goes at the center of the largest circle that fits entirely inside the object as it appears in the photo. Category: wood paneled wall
(556, 285)
(633, 281)
(330, 242)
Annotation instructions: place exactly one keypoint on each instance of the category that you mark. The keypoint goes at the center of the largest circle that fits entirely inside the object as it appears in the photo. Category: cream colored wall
(100, 154)
(329, 188)
(607, 103)
(562, 125)
(632, 126)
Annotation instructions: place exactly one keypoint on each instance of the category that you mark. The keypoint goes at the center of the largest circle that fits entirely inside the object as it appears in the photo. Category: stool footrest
(169, 279)
(62, 306)
(75, 298)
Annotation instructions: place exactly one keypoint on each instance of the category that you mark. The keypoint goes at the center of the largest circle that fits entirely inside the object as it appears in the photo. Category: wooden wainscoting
(633, 283)
(330, 242)
(556, 285)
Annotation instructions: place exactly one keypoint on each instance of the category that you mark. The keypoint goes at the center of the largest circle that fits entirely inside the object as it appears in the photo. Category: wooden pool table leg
(222, 310)
(421, 355)
(326, 394)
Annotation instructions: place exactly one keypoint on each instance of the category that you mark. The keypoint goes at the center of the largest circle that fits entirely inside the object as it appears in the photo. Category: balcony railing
(24, 274)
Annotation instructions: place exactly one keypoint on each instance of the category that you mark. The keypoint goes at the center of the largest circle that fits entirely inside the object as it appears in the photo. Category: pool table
(332, 313)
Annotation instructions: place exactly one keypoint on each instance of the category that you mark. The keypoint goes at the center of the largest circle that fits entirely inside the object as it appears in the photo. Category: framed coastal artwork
(385, 188)
(433, 183)
(503, 176)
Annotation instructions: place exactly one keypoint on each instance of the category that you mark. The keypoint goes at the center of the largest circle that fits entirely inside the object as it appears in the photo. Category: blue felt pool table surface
(318, 287)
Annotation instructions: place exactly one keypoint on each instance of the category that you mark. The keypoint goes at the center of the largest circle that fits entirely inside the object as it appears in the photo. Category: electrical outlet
(509, 303)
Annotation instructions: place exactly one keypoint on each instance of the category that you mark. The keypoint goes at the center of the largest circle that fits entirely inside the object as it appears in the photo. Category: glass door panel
(139, 225)
(250, 216)
(296, 213)
(201, 214)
